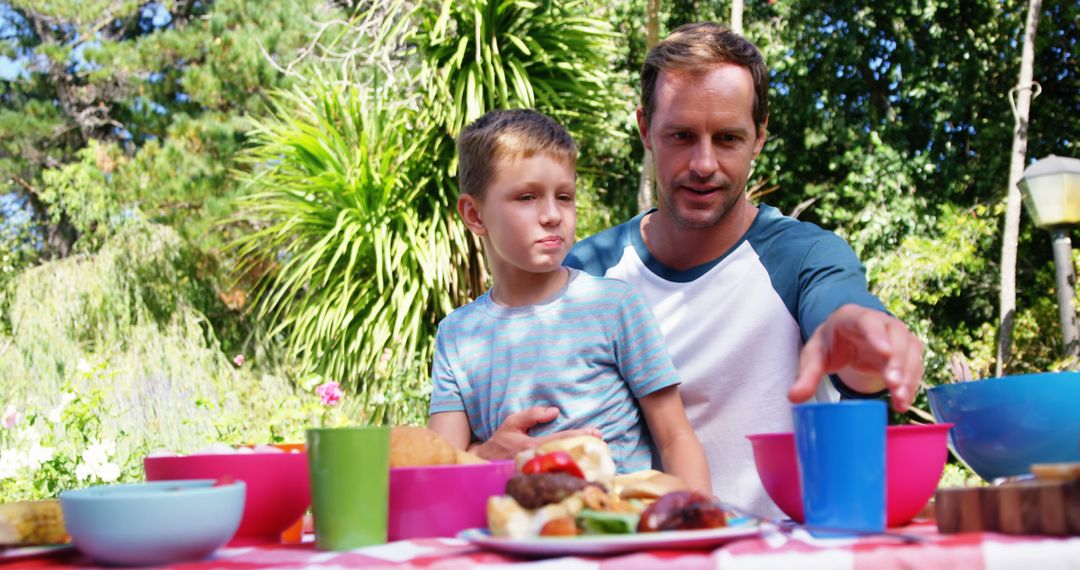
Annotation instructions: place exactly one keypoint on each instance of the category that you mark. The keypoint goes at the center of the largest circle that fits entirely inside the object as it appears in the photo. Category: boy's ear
(468, 208)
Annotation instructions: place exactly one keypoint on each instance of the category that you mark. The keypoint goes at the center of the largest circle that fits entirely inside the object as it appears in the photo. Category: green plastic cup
(350, 474)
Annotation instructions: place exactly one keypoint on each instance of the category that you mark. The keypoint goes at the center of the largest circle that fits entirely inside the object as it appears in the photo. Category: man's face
(702, 137)
(527, 216)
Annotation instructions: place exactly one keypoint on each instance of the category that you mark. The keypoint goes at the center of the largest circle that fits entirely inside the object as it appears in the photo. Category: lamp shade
(1051, 190)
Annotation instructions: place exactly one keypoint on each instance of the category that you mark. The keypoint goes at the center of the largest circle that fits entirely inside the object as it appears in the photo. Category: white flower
(83, 367)
(38, 455)
(378, 399)
(95, 462)
(65, 399)
(99, 452)
(11, 461)
(109, 472)
(82, 472)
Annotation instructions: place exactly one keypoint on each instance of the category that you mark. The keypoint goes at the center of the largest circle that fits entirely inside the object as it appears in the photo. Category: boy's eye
(566, 197)
(526, 197)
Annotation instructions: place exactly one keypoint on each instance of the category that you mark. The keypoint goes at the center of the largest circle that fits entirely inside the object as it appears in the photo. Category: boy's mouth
(550, 241)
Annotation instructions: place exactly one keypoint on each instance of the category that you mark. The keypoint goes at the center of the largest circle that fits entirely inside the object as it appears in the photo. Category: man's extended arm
(869, 349)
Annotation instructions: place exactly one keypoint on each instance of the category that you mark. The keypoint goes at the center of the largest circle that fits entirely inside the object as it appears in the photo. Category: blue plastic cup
(841, 455)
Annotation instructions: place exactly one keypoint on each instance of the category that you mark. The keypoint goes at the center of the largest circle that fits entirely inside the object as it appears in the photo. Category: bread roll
(590, 453)
(412, 446)
(653, 488)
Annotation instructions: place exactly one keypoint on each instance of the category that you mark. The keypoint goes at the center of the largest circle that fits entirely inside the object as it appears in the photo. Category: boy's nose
(549, 212)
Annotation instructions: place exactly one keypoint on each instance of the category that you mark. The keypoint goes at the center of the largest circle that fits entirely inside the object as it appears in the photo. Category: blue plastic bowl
(143, 524)
(1004, 425)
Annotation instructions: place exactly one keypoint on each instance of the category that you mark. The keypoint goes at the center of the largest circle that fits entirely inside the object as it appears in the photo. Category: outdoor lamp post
(1051, 190)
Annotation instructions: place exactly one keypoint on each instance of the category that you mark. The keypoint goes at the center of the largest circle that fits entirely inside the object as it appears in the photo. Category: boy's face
(527, 216)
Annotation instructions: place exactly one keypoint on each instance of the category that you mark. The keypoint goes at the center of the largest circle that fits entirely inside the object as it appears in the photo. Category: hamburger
(569, 486)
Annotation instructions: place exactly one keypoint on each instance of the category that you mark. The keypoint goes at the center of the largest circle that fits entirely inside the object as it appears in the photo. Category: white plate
(9, 553)
(609, 543)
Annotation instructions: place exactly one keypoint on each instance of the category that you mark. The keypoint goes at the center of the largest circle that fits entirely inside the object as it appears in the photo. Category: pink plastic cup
(443, 500)
(278, 487)
(914, 459)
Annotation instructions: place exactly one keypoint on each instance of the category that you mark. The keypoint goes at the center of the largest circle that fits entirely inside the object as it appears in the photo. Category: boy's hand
(513, 437)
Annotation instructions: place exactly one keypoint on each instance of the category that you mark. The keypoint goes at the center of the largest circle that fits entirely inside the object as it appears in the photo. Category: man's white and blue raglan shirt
(735, 326)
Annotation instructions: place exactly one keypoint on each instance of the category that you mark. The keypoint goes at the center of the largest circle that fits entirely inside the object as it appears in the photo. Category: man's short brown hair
(695, 48)
(511, 133)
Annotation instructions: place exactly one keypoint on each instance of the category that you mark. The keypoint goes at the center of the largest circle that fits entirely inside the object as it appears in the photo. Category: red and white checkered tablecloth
(947, 552)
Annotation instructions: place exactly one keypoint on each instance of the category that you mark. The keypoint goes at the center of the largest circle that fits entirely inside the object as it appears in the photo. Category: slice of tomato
(554, 462)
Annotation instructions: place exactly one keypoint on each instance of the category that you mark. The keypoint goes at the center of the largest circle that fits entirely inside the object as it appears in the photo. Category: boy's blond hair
(512, 133)
(695, 48)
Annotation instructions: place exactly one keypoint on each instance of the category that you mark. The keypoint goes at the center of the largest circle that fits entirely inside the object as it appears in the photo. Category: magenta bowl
(914, 459)
(278, 487)
(443, 500)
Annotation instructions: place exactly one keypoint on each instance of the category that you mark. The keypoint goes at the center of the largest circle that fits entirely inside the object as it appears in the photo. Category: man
(747, 299)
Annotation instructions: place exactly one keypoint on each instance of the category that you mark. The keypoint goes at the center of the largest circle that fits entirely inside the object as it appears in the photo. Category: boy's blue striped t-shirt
(590, 350)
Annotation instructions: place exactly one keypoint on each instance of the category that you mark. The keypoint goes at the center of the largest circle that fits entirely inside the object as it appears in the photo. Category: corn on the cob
(32, 522)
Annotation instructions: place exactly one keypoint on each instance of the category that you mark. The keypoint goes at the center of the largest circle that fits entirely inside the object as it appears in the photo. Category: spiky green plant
(356, 247)
(551, 55)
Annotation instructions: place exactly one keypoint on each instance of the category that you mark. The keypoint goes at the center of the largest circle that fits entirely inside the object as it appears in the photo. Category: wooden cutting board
(1035, 507)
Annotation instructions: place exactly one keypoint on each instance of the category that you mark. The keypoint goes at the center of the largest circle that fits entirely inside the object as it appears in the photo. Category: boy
(545, 334)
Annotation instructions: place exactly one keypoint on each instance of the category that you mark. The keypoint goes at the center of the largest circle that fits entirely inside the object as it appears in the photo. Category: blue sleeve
(445, 392)
(830, 276)
(640, 349)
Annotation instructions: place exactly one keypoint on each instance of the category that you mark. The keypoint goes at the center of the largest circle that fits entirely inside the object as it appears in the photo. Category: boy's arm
(454, 426)
(680, 450)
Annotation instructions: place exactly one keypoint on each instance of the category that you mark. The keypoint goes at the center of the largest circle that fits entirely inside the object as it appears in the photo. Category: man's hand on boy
(870, 350)
(513, 437)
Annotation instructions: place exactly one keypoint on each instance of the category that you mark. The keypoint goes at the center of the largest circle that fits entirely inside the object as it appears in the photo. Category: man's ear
(760, 142)
(643, 127)
(468, 208)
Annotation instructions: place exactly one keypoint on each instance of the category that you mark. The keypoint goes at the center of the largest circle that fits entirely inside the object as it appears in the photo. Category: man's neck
(680, 248)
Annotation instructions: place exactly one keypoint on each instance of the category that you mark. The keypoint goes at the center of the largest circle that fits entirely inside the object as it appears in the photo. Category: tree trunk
(648, 173)
(1021, 110)
(736, 16)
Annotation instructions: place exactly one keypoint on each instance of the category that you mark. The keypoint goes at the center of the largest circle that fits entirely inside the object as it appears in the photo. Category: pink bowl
(442, 500)
(278, 488)
(914, 459)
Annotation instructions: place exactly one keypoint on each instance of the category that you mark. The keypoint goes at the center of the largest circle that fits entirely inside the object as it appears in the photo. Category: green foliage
(353, 242)
(555, 56)
(490, 55)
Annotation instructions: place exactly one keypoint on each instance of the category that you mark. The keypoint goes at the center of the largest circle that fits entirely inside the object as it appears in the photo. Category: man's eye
(680, 136)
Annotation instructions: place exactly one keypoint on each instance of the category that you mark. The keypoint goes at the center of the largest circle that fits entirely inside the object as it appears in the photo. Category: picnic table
(765, 551)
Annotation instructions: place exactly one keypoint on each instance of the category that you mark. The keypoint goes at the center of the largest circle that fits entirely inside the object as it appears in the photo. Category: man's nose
(703, 163)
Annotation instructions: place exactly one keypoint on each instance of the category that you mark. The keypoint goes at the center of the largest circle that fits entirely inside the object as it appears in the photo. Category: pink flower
(11, 416)
(238, 360)
(329, 393)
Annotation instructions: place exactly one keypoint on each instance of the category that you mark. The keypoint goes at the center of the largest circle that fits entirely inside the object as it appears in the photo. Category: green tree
(355, 205)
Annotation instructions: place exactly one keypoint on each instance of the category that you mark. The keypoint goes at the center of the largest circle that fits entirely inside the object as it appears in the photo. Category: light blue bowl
(1003, 425)
(144, 524)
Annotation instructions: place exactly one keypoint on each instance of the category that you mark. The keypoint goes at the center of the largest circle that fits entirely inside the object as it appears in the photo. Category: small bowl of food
(278, 485)
(435, 490)
(915, 457)
(145, 524)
